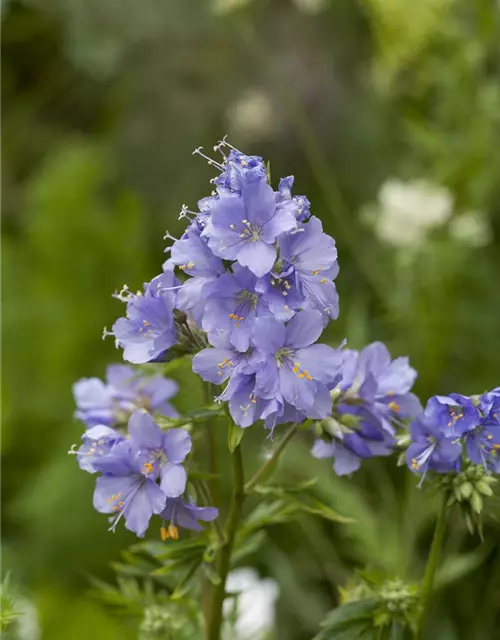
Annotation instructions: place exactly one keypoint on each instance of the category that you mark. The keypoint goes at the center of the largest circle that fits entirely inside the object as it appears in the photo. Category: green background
(103, 103)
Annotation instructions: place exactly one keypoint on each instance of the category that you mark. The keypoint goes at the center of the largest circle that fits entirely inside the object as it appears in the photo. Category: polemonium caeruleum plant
(246, 293)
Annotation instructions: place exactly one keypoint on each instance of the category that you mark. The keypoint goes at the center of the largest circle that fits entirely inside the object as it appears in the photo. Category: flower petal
(258, 256)
(173, 480)
(176, 444)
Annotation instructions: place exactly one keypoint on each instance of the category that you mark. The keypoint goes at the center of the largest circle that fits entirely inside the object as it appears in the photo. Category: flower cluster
(141, 465)
(125, 390)
(254, 272)
(455, 427)
(371, 401)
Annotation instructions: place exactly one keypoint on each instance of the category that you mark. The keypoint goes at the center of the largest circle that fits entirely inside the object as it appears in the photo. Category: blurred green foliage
(103, 103)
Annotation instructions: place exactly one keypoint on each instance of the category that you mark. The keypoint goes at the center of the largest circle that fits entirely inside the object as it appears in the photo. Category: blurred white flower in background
(27, 623)
(252, 116)
(471, 228)
(221, 7)
(251, 615)
(407, 211)
(310, 6)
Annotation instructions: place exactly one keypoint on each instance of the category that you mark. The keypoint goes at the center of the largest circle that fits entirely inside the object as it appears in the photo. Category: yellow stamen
(394, 406)
(173, 532)
(164, 534)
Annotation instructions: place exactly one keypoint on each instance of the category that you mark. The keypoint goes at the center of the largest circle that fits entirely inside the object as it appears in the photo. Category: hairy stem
(267, 466)
(430, 570)
(224, 564)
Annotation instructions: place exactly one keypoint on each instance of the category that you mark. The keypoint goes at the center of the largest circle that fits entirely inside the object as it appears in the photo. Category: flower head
(125, 391)
(162, 452)
(98, 442)
(148, 330)
(313, 256)
(454, 414)
(293, 368)
(431, 448)
(127, 490)
(244, 226)
(232, 305)
(185, 515)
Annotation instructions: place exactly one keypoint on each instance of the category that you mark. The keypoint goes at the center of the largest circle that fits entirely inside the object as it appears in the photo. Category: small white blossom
(28, 622)
(310, 6)
(409, 210)
(222, 7)
(252, 116)
(471, 228)
(253, 609)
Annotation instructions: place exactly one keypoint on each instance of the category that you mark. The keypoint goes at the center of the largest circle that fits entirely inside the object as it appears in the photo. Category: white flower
(253, 610)
(409, 210)
(471, 228)
(222, 7)
(28, 623)
(310, 6)
(252, 116)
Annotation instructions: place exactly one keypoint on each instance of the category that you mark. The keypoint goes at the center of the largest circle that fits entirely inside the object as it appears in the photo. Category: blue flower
(300, 205)
(193, 256)
(239, 170)
(98, 441)
(162, 453)
(483, 442)
(281, 293)
(294, 369)
(349, 445)
(149, 328)
(245, 227)
(127, 489)
(430, 448)
(186, 515)
(380, 384)
(313, 255)
(245, 406)
(125, 391)
(455, 414)
(232, 306)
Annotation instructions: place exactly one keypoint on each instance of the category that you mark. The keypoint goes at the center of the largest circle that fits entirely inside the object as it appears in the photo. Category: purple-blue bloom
(381, 384)
(431, 449)
(482, 443)
(239, 170)
(232, 304)
(313, 255)
(127, 489)
(125, 391)
(293, 368)
(300, 204)
(245, 227)
(455, 414)
(162, 452)
(281, 293)
(185, 515)
(148, 330)
(98, 441)
(193, 256)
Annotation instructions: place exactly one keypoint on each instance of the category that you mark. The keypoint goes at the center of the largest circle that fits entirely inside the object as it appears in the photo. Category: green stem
(430, 570)
(267, 466)
(212, 447)
(232, 523)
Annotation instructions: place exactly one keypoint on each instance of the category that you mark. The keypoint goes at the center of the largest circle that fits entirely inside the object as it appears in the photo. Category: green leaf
(185, 584)
(352, 621)
(456, 567)
(234, 436)
(305, 503)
